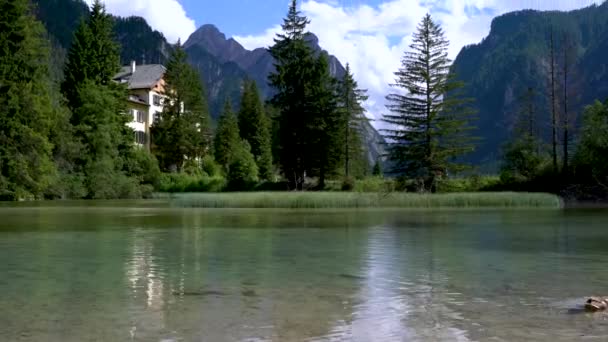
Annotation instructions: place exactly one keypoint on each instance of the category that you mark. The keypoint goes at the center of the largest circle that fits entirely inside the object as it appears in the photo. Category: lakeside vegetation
(336, 200)
(68, 139)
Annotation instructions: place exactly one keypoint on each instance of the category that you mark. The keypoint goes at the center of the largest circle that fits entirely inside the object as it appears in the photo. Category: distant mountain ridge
(514, 56)
(222, 62)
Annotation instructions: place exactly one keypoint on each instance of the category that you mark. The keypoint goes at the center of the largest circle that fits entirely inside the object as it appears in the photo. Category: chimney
(133, 67)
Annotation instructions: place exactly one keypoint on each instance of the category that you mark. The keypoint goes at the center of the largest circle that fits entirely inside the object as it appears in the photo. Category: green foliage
(26, 110)
(181, 182)
(211, 167)
(254, 127)
(375, 184)
(473, 183)
(591, 158)
(377, 170)
(93, 56)
(308, 121)
(226, 138)
(523, 155)
(430, 122)
(242, 171)
(350, 106)
(184, 129)
(515, 55)
(348, 184)
(142, 166)
(318, 200)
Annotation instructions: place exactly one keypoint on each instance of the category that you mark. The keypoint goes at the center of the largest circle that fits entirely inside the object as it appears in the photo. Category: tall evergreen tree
(351, 100)
(93, 56)
(327, 131)
(429, 122)
(26, 111)
(183, 132)
(226, 137)
(254, 127)
(293, 62)
(98, 106)
(305, 97)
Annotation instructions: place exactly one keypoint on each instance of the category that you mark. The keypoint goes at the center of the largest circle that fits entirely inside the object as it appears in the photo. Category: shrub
(211, 167)
(182, 182)
(242, 171)
(348, 184)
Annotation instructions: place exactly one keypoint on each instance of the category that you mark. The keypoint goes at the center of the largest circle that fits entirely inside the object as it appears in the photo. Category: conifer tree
(254, 127)
(327, 131)
(98, 107)
(26, 111)
(351, 99)
(93, 56)
(226, 137)
(305, 98)
(184, 129)
(429, 122)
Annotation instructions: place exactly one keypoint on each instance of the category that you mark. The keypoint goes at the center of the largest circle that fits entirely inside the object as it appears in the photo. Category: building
(146, 97)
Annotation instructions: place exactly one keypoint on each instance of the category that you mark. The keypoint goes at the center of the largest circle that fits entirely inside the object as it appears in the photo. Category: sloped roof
(145, 77)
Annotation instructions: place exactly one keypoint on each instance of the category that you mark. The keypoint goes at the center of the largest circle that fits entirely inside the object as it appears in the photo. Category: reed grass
(335, 200)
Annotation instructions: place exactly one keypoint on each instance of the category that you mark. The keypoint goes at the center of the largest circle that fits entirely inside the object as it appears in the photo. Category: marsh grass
(319, 200)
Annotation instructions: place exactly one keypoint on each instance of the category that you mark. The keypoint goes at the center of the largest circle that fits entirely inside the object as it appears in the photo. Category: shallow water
(138, 271)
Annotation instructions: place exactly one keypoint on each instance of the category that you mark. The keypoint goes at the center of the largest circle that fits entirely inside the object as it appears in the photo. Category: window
(141, 116)
(157, 100)
(140, 137)
(156, 117)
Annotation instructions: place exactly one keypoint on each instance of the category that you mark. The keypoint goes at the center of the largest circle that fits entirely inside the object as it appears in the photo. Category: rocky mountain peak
(214, 41)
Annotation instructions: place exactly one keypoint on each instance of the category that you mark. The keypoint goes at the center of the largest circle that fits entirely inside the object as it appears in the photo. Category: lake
(142, 271)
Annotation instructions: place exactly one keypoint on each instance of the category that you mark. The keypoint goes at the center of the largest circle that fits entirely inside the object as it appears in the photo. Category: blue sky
(370, 35)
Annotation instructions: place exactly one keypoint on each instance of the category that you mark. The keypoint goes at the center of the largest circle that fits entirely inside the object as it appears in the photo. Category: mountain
(222, 62)
(227, 52)
(515, 56)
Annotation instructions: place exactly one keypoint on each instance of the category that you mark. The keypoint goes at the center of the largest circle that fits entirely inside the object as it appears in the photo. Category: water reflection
(143, 274)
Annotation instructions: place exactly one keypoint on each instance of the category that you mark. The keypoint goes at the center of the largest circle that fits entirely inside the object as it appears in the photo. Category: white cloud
(166, 16)
(373, 38)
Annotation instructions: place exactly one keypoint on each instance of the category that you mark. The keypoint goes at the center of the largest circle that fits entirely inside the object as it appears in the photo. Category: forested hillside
(515, 56)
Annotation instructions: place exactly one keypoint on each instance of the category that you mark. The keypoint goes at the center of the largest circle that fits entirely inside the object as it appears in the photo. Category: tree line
(70, 140)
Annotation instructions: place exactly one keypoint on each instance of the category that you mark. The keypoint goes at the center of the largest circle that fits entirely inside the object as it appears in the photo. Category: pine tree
(26, 110)
(305, 98)
(93, 56)
(98, 107)
(429, 122)
(327, 130)
(226, 137)
(350, 105)
(254, 127)
(183, 132)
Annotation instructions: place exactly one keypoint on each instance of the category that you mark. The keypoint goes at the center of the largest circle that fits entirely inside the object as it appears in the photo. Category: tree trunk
(553, 105)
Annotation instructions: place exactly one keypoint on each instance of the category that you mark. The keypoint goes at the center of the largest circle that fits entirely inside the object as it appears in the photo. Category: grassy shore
(319, 200)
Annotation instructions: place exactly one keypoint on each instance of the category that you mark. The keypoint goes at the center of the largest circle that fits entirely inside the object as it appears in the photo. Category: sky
(370, 35)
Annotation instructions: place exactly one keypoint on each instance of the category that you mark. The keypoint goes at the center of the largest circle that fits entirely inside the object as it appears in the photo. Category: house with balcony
(146, 97)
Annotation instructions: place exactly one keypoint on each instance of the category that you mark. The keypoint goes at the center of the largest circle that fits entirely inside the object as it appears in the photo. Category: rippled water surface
(133, 271)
